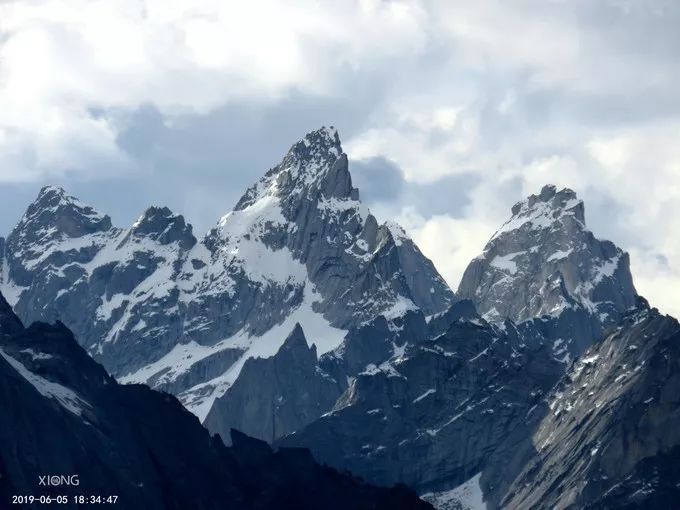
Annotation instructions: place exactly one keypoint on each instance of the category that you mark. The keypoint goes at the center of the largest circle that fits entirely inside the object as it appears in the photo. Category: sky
(450, 111)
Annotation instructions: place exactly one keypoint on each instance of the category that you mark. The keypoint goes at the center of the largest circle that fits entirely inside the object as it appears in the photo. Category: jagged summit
(320, 141)
(164, 226)
(54, 192)
(276, 396)
(549, 194)
(548, 209)
(56, 213)
(313, 166)
(315, 146)
(56, 222)
(544, 261)
(297, 340)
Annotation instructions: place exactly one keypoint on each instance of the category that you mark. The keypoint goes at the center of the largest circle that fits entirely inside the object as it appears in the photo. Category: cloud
(630, 181)
(60, 60)
(450, 111)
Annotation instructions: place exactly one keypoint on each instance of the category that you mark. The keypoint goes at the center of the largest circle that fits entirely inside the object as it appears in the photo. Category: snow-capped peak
(57, 213)
(397, 232)
(544, 210)
(544, 261)
(315, 165)
(324, 138)
(298, 247)
(164, 226)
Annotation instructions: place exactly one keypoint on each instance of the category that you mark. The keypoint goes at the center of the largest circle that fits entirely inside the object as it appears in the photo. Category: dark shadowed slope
(63, 414)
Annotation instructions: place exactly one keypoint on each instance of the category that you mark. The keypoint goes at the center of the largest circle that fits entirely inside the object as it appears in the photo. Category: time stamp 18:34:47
(79, 499)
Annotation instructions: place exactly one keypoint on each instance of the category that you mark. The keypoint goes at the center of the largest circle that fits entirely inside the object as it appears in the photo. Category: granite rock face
(486, 407)
(432, 417)
(279, 395)
(464, 408)
(157, 306)
(607, 435)
(544, 261)
(63, 414)
(276, 396)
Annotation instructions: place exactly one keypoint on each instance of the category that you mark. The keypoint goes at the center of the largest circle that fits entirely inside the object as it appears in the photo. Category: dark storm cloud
(381, 181)
(378, 179)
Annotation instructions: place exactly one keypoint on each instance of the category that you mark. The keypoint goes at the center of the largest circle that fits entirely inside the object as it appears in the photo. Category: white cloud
(450, 243)
(407, 140)
(59, 59)
(635, 172)
(579, 93)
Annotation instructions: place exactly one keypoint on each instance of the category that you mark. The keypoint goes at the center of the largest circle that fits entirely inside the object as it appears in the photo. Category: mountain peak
(317, 146)
(550, 208)
(52, 189)
(314, 165)
(295, 345)
(55, 212)
(544, 260)
(164, 226)
(324, 138)
(556, 199)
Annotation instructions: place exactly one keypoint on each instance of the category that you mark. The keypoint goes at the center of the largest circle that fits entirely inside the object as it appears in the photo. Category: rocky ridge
(432, 416)
(156, 305)
(276, 396)
(404, 382)
(544, 262)
(605, 436)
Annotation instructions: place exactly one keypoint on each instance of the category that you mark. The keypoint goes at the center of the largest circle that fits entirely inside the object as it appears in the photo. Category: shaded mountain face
(544, 262)
(463, 411)
(157, 306)
(607, 436)
(276, 396)
(432, 417)
(487, 410)
(63, 414)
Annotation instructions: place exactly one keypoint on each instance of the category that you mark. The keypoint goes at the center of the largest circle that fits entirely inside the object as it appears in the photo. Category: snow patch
(199, 399)
(424, 395)
(559, 255)
(66, 397)
(401, 307)
(467, 496)
(506, 263)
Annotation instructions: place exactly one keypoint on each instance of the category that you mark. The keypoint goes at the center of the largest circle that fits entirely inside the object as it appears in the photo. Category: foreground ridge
(62, 413)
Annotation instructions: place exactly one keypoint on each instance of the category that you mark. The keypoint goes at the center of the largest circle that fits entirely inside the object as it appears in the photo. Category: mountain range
(544, 381)
(155, 305)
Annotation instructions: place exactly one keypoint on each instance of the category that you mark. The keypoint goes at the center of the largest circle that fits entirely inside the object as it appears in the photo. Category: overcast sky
(450, 111)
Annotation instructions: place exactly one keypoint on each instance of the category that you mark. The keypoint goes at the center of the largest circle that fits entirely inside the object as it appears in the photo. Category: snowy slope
(544, 262)
(156, 305)
(467, 496)
(66, 397)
